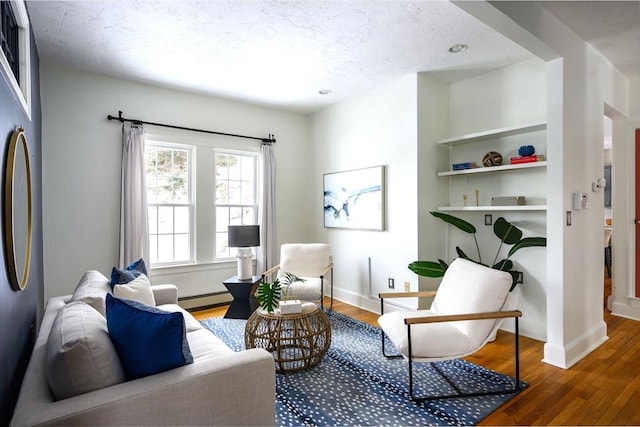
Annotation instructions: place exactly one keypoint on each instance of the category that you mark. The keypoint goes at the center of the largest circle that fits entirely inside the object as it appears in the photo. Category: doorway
(608, 211)
(637, 212)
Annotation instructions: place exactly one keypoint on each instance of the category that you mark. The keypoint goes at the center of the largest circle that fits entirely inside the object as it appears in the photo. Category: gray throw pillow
(80, 356)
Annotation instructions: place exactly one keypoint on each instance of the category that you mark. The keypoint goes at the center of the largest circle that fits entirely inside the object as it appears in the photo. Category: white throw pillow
(139, 289)
(80, 356)
(92, 289)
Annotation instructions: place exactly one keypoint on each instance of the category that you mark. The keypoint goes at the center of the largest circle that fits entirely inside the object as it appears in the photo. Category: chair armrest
(406, 294)
(326, 269)
(165, 294)
(458, 317)
(271, 271)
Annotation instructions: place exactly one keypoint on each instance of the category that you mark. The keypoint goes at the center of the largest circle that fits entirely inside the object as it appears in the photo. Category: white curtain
(267, 250)
(134, 225)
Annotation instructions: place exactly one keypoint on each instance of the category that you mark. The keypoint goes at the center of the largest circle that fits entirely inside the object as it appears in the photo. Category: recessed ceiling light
(457, 48)
(324, 92)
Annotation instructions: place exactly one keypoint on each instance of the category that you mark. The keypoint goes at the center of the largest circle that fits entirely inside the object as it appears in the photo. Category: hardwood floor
(601, 389)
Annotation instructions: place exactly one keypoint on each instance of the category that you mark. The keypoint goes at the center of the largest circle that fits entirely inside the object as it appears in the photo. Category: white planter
(290, 306)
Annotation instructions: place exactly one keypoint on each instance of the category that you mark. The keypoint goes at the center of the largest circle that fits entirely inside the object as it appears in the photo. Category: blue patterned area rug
(355, 385)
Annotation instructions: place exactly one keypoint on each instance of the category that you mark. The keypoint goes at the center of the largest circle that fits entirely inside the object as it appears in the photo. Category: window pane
(248, 215)
(153, 249)
(222, 219)
(163, 189)
(165, 248)
(234, 167)
(222, 247)
(182, 219)
(222, 192)
(235, 193)
(247, 193)
(235, 216)
(248, 168)
(165, 219)
(182, 248)
(153, 219)
(222, 172)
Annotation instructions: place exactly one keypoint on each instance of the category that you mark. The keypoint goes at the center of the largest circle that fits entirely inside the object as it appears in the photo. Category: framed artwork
(355, 199)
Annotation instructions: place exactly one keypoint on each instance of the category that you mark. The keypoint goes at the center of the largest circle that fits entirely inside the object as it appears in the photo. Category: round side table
(296, 341)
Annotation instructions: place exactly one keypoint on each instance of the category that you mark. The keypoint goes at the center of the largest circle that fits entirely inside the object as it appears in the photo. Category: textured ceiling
(611, 27)
(279, 53)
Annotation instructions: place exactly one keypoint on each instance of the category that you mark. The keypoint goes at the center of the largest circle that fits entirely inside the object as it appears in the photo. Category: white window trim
(152, 142)
(21, 89)
(157, 135)
(236, 152)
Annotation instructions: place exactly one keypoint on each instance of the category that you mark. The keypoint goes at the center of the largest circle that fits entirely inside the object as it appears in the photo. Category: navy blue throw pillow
(147, 340)
(126, 275)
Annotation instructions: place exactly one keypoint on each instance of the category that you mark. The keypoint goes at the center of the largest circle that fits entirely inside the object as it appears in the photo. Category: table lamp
(244, 237)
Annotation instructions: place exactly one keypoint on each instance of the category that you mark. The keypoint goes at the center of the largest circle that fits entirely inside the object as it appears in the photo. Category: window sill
(192, 268)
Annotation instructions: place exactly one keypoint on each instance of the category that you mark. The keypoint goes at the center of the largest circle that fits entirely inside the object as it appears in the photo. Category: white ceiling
(281, 53)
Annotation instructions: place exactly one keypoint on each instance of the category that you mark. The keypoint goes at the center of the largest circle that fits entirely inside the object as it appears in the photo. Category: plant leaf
(268, 295)
(514, 278)
(528, 242)
(461, 253)
(507, 232)
(504, 265)
(460, 224)
(443, 264)
(427, 268)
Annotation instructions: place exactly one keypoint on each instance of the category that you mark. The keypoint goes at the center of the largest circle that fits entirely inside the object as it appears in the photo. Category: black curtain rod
(270, 140)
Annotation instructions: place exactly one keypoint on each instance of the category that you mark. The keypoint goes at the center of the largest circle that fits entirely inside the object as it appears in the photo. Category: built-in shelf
(494, 168)
(494, 133)
(493, 208)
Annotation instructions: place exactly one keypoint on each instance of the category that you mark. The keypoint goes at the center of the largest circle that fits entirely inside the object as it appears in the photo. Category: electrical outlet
(407, 286)
(392, 284)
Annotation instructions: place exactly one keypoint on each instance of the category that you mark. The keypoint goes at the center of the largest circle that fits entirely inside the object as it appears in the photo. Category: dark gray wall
(20, 312)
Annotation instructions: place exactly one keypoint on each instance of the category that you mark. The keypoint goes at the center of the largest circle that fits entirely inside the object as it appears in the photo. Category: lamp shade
(244, 236)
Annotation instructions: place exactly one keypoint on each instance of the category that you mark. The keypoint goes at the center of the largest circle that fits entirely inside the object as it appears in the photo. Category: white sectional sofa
(220, 387)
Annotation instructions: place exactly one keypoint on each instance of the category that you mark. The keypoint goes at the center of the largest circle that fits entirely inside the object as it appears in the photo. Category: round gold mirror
(17, 205)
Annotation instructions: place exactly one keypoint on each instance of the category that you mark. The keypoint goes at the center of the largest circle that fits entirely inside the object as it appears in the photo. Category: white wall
(81, 169)
(581, 86)
(510, 96)
(378, 127)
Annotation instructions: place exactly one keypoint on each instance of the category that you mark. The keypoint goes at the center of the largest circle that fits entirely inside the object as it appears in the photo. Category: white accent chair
(465, 313)
(309, 261)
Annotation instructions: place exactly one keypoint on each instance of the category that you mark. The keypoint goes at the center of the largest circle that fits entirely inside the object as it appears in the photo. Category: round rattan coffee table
(296, 341)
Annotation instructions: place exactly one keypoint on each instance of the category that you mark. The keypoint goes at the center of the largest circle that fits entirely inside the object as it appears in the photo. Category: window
(196, 187)
(235, 198)
(169, 202)
(15, 50)
(9, 38)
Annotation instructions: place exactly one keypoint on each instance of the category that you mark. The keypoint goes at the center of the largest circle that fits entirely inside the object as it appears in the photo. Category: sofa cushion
(92, 289)
(127, 274)
(80, 356)
(139, 289)
(148, 340)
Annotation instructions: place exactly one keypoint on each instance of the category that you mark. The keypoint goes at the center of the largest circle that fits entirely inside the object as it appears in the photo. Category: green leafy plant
(508, 234)
(270, 294)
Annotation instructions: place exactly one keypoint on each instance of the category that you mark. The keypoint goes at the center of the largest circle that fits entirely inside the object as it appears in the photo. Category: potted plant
(508, 234)
(272, 295)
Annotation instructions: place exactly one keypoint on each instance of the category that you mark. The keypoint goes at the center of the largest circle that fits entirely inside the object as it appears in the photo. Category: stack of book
(527, 159)
(463, 165)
